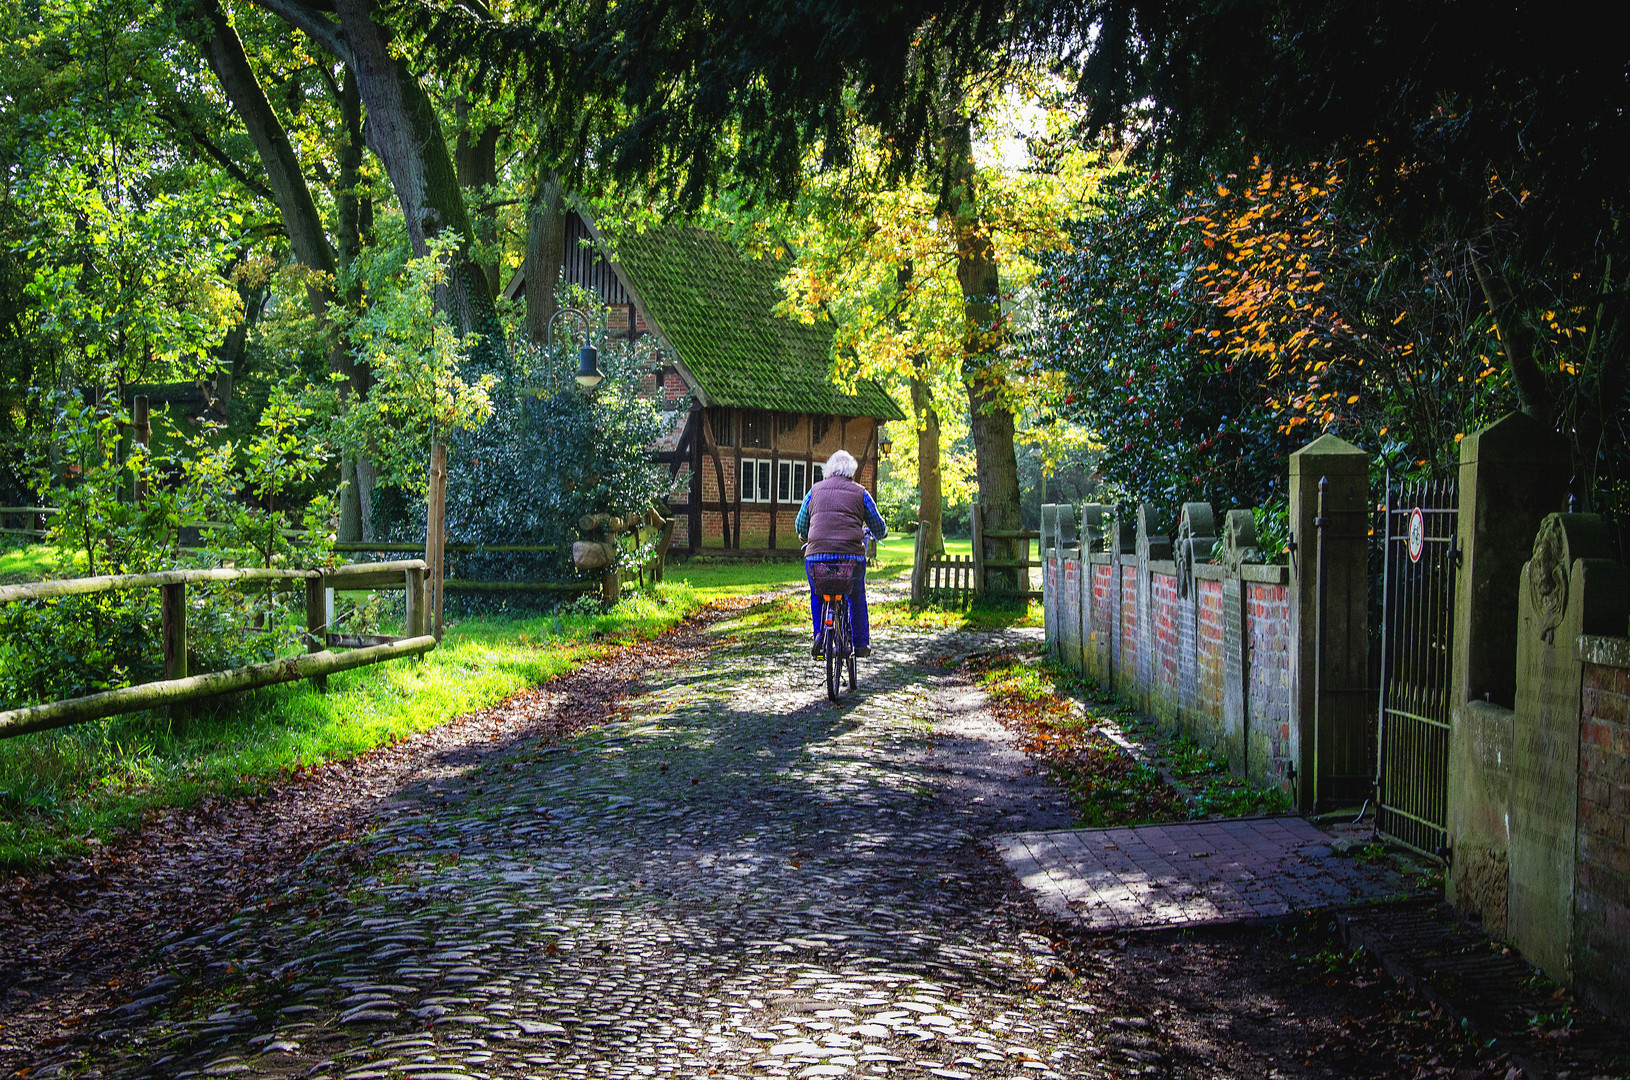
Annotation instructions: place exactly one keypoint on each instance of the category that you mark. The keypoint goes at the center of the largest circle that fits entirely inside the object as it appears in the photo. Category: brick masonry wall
(1209, 656)
(1267, 619)
(1069, 610)
(1103, 623)
(1164, 698)
(1127, 662)
(1601, 946)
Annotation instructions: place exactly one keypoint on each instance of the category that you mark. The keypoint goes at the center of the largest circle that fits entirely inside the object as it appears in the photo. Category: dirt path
(731, 877)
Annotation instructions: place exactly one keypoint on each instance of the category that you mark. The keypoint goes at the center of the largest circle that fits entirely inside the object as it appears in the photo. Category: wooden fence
(177, 686)
(957, 581)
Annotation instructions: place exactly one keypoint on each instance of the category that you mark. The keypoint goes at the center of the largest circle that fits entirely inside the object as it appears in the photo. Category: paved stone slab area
(734, 878)
(1191, 873)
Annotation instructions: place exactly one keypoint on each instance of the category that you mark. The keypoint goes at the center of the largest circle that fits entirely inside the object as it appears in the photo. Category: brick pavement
(1191, 873)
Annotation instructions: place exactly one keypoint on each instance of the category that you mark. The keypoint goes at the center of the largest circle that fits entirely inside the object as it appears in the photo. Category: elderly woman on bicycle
(833, 522)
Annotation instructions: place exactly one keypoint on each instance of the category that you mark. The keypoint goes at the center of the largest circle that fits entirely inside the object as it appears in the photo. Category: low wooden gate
(1421, 560)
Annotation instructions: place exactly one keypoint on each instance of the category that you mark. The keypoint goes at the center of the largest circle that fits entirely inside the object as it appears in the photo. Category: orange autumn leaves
(1265, 241)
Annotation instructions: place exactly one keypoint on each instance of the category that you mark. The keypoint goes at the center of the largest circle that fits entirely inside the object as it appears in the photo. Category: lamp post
(588, 357)
(884, 443)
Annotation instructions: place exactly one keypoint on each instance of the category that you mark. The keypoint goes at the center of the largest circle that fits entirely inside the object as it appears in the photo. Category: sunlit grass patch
(977, 617)
(61, 788)
(20, 562)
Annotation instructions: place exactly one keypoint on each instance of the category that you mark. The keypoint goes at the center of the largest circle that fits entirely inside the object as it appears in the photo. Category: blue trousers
(857, 604)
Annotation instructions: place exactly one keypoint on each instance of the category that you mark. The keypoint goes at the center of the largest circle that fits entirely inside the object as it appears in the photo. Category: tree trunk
(403, 130)
(475, 158)
(354, 210)
(990, 418)
(930, 533)
(545, 251)
(223, 49)
(1516, 339)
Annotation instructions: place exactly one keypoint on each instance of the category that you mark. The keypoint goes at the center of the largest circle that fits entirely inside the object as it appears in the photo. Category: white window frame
(755, 480)
(791, 481)
(817, 473)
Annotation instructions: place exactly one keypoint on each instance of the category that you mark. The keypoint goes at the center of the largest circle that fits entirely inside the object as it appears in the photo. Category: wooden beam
(44, 590)
(192, 688)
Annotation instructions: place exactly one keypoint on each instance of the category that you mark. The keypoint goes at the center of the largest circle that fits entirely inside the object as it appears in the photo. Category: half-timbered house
(756, 410)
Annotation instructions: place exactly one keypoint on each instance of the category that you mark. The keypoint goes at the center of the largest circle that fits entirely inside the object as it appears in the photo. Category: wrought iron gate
(1421, 558)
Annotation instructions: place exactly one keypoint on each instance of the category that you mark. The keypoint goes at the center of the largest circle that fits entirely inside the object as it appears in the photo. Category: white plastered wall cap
(842, 463)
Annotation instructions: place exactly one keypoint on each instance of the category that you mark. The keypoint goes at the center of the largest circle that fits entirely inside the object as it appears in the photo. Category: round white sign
(1417, 535)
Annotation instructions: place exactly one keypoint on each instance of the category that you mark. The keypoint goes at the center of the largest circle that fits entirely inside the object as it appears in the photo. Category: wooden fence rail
(178, 686)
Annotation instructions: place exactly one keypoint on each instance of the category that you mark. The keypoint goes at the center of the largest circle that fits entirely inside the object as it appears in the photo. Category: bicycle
(837, 644)
(835, 582)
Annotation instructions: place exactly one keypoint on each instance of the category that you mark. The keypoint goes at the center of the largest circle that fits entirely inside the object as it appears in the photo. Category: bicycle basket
(836, 578)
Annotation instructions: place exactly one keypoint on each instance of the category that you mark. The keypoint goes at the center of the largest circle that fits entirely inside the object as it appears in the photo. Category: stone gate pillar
(1329, 708)
(1512, 473)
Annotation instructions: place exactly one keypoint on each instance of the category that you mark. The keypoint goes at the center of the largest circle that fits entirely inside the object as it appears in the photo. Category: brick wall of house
(1602, 870)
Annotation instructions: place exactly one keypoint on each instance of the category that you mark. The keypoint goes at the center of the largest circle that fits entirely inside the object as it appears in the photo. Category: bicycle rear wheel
(834, 667)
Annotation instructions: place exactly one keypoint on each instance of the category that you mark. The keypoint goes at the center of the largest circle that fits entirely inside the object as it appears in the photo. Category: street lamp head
(588, 367)
(884, 442)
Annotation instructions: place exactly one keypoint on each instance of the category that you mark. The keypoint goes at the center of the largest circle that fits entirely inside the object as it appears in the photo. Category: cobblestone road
(732, 878)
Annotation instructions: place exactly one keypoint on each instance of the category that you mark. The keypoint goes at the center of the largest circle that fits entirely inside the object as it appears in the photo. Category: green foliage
(70, 646)
(416, 360)
(548, 454)
(1118, 313)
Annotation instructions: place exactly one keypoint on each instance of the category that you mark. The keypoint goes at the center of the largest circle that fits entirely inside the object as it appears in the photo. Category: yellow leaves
(1353, 400)
(1402, 315)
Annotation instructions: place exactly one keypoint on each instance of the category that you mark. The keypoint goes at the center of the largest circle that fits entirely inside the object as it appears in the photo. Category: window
(819, 426)
(817, 473)
(791, 481)
(755, 479)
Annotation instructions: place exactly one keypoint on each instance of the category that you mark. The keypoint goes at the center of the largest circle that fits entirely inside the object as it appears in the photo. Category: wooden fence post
(142, 434)
(415, 614)
(317, 624)
(435, 540)
(977, 518)
(173, 629)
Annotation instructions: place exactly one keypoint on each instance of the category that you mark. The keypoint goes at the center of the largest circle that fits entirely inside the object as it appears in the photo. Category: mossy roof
(716, 309)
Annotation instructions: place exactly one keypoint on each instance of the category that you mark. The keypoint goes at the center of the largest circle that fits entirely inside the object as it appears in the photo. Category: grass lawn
(23, 562)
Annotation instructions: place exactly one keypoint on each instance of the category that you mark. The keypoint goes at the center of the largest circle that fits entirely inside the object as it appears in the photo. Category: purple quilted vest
(837, 518)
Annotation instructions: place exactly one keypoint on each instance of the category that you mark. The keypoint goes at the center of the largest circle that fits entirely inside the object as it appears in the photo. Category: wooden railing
(177, 686)
(32, 520)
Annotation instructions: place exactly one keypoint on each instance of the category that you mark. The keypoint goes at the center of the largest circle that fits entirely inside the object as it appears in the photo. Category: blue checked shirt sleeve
(874, 520)
(801, 525)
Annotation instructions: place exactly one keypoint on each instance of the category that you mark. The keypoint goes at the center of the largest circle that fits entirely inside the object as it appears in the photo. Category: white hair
(842, 463)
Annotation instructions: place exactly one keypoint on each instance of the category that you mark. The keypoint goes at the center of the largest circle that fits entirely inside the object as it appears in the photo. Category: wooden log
(354, 641)
(317, 624)
(458, 585)
(593, 554)
(464, 549)
(45, 590)
(175, 691)
(436, 534)
(380, 575)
